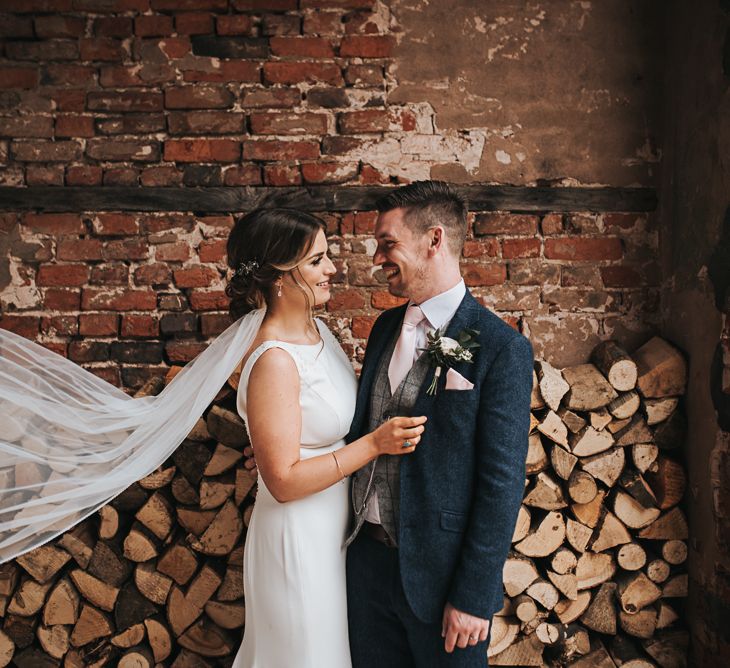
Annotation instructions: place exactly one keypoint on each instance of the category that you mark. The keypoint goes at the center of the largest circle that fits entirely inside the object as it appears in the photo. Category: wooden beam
(314, 198)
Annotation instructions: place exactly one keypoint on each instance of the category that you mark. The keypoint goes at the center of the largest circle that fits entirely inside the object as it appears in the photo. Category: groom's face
(402, 254)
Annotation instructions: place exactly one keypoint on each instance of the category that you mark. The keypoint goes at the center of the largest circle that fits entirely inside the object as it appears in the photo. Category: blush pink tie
(405, 347)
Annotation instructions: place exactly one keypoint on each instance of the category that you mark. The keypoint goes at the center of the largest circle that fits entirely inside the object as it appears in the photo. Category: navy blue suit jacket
(461, 489)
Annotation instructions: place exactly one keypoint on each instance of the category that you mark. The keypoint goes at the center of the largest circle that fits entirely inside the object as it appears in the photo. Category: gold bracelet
(339, 468)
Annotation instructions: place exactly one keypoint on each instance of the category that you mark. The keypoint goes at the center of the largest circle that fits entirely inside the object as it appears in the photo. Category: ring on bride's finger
(472, 637)
(407, 444)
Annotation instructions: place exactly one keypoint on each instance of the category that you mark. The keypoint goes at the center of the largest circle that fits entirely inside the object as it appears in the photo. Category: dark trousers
(384, 632)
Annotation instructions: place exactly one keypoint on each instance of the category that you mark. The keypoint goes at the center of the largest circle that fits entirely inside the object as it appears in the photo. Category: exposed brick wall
(254, 92)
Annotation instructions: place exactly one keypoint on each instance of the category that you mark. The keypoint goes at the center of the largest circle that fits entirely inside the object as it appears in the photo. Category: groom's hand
(250, 462)
(461, 629)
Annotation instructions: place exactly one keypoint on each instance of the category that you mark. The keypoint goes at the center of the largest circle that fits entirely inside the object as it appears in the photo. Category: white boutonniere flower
(445, 352)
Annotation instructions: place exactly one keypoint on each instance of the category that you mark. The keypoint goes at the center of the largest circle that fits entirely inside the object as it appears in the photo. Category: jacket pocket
(451, 521)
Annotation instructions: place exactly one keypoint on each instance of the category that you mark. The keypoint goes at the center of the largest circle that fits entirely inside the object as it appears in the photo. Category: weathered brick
(246, 71)
(156, 273)
(198, 97)
(68, 125)
(125, 101)
(202, 175)
(139, 326)
(126, 249)
(620, 277)
(205, 122)
(68, 74)
(339, 4)
(382, 299)
(552, 223)
(117, 224)
(304, 47)
(364, 121)
(79, 249)
(360, 23)
(280, 24)
(505, 223)
(170, 221)
(183, 351)
(288, 124)
(98, 324)
(133, 124)
(194, 23)
(95, 299)
(54, 223)
(515, 248)
(114, 273)
(125, 76)
(362, 326)
(18, 77)
(345, 300)
(533, 272)
(179, 323)
(59, 26)
(234, 24)
(336, 145)
(483, 274)
(153, 25)
(329, 172)
(202, 150)
(302, 72)
(42, 175)
(213, 324)
(23, 325)
(481, 248)
(26, 126)
(189, 5)
(120, 176)
(208, 300)
(280, 150)
(114, 26)
(576, 299)
(329, 98)
(16, 27)
(218, 46)
(623, 221)
(242, 175)
(172, 252)
(582, 223)
(271, 98)
(579, 276)
(213, 250)
(83, 175)
(282, 175)
(583, 249)
(46, 151)
(172, 302)
(47, 49)
(88, 351)
(111, 6)
(364, 75)
(264, 5)
(367, 46)
(323, 23)
(161, 176)
(60, 325)
(123, 150)
(138, 352)
(58, 299)
(106, 49)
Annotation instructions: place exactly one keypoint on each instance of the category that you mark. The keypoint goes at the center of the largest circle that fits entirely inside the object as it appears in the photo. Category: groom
(432, 529)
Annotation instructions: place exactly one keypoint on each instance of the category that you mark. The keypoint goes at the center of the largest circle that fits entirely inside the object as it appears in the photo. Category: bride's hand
(392, 436)
(250, 462)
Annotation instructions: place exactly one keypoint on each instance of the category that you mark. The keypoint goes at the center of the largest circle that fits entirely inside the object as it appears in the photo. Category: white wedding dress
(294, 559)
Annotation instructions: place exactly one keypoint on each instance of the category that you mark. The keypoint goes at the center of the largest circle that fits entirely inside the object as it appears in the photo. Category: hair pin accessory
(246, 268)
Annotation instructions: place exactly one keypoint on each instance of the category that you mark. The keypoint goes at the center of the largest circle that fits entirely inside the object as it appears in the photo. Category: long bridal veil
(70, 442)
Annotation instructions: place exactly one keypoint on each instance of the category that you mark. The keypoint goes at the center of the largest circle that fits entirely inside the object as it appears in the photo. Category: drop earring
(278, 284)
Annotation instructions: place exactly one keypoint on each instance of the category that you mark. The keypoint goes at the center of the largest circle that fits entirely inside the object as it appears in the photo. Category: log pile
(596, 576)
(152, 579)
(597, 573)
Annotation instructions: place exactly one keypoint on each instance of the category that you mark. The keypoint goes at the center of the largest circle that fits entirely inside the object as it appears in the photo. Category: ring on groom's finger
(407, 444)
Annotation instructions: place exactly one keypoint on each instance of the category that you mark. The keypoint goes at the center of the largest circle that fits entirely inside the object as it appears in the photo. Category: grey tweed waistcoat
(383, 474)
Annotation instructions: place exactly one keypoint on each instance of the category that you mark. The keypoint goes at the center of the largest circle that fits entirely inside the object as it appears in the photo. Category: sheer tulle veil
(70, 442)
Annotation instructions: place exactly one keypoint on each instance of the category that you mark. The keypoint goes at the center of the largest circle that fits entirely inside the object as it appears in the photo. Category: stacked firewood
(595, 578)
(154, 578)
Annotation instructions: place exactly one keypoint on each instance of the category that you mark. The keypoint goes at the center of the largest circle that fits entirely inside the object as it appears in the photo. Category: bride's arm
(275, 426)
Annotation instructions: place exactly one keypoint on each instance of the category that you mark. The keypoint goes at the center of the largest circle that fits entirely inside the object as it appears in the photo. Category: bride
(70, 442)
(297, 396)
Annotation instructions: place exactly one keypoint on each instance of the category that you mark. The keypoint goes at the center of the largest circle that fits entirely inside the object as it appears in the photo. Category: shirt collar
(440, 309)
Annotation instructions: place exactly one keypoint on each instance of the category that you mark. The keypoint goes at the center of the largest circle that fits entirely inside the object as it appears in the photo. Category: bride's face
(314, 271)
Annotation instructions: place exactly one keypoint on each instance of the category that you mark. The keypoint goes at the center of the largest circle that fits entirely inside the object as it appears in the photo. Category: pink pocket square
(455, 381)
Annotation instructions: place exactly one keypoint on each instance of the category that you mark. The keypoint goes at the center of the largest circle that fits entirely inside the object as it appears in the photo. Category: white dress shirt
(439, 311)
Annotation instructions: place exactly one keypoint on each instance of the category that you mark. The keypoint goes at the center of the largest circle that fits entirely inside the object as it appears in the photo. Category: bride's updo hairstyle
(262, 246)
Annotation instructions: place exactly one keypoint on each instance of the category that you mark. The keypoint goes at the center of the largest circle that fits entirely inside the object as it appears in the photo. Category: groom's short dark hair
(428, 204)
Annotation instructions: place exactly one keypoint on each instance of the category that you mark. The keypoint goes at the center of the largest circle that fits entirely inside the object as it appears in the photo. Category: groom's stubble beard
(413, 287)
